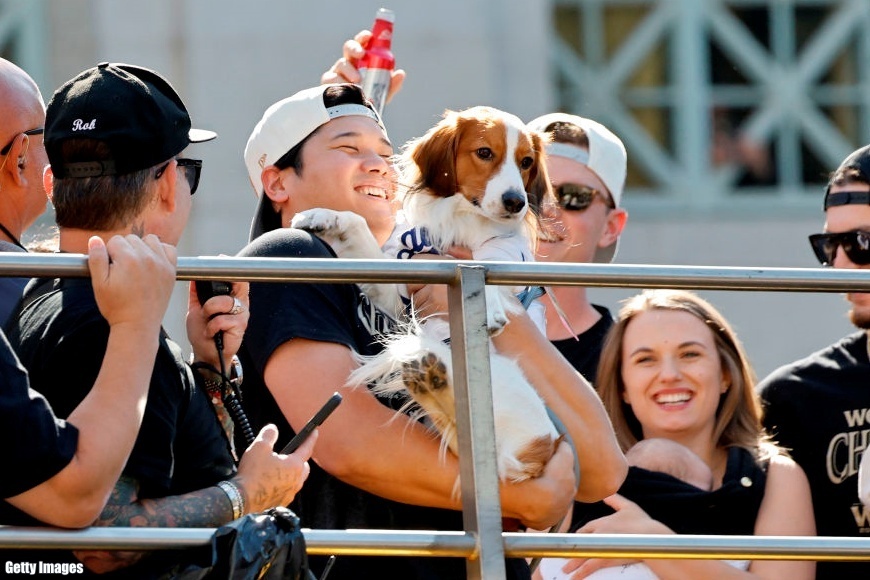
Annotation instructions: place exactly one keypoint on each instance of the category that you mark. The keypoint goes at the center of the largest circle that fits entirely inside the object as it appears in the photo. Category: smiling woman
(672, 368)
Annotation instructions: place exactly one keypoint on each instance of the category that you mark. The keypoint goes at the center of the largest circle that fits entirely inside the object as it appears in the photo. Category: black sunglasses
(574, 197)
(192, 171)
(37, 131)
(856, 244)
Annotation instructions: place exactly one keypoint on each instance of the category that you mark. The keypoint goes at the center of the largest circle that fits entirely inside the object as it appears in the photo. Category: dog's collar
(529, 295)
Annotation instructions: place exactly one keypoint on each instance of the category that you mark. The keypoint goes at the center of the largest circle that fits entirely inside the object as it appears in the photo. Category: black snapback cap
(133, 110)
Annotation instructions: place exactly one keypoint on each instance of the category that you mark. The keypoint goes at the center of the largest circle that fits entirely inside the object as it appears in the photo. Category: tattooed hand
(267, 479)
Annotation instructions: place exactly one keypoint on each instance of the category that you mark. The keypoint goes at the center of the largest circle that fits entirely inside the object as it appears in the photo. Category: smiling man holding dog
(587, 165)
(325, 147)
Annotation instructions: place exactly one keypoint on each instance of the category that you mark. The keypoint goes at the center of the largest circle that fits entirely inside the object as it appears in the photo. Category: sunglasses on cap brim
(575, 197)
(855, 243)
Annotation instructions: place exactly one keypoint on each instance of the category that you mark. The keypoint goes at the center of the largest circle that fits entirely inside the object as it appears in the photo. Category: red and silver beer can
(378, 62)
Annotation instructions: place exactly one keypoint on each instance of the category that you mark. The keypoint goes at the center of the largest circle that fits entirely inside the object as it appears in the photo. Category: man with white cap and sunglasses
(586, 163)
(817, 407)
(326, 147)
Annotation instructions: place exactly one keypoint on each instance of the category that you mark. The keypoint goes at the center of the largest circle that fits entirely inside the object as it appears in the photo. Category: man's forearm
(204, 508)
(575, 402)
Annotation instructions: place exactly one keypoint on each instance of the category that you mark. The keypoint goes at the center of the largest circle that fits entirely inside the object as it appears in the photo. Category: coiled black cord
(230, 395)
(234, 407)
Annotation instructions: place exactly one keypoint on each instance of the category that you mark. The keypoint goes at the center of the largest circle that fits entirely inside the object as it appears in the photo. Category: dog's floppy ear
(434, 154)
(538, 186)
(540, 192)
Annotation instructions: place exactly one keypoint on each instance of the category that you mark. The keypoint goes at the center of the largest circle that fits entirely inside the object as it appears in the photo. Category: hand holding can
(378, 62)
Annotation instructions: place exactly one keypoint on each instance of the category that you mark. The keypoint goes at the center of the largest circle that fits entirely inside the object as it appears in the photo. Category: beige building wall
(230, 60)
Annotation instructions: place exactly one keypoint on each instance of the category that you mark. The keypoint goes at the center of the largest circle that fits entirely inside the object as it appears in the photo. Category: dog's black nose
(513, 201)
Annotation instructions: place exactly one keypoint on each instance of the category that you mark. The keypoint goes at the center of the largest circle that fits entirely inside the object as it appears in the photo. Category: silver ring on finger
(238, 307)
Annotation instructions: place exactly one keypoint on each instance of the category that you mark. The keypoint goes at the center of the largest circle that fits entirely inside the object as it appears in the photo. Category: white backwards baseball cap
(284, 125)
(606, 158)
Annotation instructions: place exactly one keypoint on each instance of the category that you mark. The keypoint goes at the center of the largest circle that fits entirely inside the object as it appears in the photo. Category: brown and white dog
(474, 177)
(475, 180)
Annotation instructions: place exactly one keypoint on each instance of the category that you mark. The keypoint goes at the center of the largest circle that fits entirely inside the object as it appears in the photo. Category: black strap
(847, 198)
(87, 169)
(12, 238)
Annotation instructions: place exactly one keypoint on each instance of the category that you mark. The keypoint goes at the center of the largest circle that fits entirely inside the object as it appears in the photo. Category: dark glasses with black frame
(192, 171)
(855, 243)
(575, 197)
(37, 131)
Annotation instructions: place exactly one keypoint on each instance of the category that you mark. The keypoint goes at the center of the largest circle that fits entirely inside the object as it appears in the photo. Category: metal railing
(483, 543)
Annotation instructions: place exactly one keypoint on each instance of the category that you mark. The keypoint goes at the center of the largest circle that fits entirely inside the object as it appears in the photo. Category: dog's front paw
(318, 221)
(496, 311)
(345, 232)
(427, 374)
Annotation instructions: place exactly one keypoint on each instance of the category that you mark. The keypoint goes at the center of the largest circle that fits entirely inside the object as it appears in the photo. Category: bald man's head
(22, 110)
(19, 99)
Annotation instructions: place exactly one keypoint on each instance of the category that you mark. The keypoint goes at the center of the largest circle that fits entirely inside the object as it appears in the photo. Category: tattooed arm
(265, 479)
(200, 509)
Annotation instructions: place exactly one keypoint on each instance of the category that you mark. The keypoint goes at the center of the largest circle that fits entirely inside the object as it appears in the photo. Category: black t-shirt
(729, 510)
(38, 445)
(819, 409)
(10, 288)
(584, 352)
(61, 338)
(336, 313)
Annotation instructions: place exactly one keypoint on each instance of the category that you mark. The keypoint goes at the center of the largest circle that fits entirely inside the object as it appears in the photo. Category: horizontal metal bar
(103, 538)
(389, 543)
(687, 546)
(462, 545)
(318, 542)
(497, 273)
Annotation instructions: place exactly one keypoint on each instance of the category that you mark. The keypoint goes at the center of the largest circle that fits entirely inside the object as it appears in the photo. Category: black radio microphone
(205, 289)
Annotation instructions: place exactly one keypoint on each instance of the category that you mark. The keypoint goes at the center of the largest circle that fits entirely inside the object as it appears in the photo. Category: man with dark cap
(62, 471)
(818, 407)
(115, 137)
